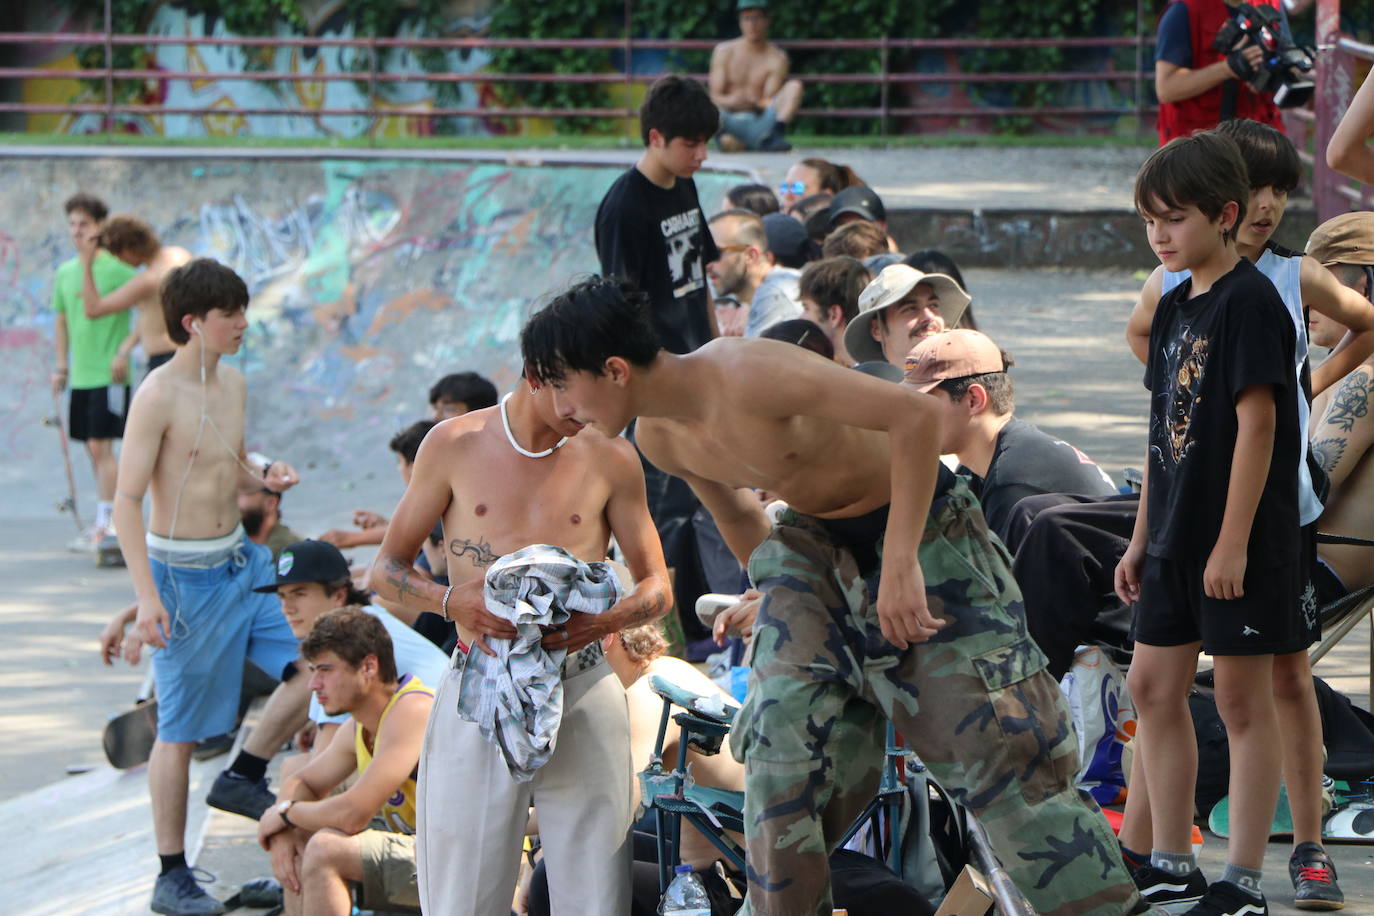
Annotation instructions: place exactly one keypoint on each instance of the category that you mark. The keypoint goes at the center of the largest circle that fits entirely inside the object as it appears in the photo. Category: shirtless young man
(193, 574)
(504, 478)
(941, 648)
(133, 242)
(749, 85)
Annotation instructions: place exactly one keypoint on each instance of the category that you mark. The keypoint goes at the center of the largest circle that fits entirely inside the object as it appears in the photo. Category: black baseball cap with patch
(308, 561)
(860, 200)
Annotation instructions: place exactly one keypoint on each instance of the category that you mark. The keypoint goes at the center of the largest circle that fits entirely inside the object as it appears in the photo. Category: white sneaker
(85, 541)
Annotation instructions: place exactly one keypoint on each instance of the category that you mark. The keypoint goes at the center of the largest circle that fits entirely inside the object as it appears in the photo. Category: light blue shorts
(748, 127)
(217, 622)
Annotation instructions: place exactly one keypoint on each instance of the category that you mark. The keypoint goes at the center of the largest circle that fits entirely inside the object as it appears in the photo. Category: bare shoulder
(157, 392)
(776, 55)
(231, 378)
(614, 456)
(455, 436)
(726, 48)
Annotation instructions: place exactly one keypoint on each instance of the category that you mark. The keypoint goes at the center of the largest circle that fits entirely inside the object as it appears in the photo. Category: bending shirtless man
(749, 85)
(133, 242)
(941, 648)
(503, 478)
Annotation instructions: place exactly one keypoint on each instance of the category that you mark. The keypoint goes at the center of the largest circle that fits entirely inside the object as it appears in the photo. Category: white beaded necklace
(510, 437)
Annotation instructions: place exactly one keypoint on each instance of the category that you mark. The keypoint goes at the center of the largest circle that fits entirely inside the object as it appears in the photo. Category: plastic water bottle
(686, 896)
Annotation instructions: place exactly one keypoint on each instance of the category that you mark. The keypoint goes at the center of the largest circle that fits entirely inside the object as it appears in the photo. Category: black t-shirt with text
(1028, 461)
(658, 239)
(1203, 352)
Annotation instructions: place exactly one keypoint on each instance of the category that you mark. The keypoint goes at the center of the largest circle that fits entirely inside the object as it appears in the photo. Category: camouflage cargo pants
(974, 703)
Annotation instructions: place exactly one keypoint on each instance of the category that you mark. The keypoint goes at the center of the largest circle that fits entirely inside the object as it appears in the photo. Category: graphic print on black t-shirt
(1185, 359)
(680, 235)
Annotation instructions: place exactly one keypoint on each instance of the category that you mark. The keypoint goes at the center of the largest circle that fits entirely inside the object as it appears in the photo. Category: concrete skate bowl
(370, 278)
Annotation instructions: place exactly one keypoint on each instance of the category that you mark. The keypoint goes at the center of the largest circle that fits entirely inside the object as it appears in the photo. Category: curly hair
(643, 643)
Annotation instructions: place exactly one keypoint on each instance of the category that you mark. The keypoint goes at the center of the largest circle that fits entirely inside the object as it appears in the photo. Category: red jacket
(1201, 112)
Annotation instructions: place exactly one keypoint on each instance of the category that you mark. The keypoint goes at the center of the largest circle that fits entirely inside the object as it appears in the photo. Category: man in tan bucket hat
(901, 306)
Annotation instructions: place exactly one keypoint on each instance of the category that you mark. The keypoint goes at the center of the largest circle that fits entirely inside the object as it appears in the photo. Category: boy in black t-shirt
(650, 229)
(1214, 558)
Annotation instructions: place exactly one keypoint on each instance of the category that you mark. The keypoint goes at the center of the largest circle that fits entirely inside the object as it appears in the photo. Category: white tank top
(1285, 272)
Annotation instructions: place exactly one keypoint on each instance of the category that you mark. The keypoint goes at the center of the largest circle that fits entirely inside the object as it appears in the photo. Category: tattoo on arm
(650, 608)
(402, 578)
(1328, 452)
(1350, 402)
(478, 550)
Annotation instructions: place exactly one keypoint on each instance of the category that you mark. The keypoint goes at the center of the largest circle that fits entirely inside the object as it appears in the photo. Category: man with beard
(746, 272)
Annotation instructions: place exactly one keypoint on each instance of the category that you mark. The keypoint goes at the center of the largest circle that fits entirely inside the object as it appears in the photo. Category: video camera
(1283, 71)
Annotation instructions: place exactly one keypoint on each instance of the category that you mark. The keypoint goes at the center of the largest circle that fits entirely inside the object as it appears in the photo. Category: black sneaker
(1169, 890)
(1226, 899)
(178, 893)
(1314, 879)
(237, 795)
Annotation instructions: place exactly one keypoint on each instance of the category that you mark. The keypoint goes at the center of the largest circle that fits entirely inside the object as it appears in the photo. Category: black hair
(355, 595)
(585, 325)
(89, 204)
(757, 198)
(466, 388)
(1205, 171)
(678, 106)
(802, 332)
(406, 443)
(196, 288)
(1271, 159)
(835, 281)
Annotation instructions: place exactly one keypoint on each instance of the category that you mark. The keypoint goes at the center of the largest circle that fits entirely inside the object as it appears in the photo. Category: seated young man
(879, 540)
(1005, 459)
(830, 291)
(899, 308)
(459, 393)
(313, 579)
(320, 843)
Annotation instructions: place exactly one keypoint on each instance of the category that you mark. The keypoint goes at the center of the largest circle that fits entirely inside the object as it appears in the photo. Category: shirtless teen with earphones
(193, 575)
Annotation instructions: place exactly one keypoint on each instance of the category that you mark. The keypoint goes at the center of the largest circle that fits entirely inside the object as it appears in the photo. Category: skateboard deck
(1219, 821)
(129, 736)
(1351, 817)
(68, 504)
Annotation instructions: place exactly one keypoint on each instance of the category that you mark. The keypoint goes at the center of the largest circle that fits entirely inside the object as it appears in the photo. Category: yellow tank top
(399, 810)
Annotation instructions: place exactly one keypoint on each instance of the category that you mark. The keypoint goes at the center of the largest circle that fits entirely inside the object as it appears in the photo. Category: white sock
(104, 512)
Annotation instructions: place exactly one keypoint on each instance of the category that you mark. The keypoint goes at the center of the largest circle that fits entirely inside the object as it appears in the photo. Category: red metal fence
(885, 78)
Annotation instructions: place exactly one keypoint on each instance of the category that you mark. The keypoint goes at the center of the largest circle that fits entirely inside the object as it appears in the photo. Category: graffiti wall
(228, 98)
(369, 280)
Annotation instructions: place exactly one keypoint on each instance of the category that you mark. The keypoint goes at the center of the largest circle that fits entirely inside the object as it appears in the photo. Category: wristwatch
(283, 808)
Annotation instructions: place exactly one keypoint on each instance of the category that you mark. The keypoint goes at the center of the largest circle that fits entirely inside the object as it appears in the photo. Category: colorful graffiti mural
(409, 100)
(370, 279)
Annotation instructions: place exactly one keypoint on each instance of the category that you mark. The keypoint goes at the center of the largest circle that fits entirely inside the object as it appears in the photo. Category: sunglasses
(792, 187)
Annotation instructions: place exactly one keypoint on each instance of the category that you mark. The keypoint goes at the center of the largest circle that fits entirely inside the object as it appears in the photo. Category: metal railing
(373, 75)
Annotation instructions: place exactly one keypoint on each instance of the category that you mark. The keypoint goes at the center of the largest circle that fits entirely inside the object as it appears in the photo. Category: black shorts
(90, 416)
(157, 359)
(1173, 609)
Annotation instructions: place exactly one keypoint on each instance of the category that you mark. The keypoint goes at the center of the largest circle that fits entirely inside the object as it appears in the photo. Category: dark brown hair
(196, 288)
(859, 239)
(125, 234)
(89, 204)
(1205, 171)
(835, 281)
(833, 178)
(352, 634)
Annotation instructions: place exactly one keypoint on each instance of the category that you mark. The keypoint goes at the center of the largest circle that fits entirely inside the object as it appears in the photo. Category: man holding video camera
(1198, 85)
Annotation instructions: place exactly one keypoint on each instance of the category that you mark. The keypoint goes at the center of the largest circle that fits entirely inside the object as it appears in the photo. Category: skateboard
(68, 504)
(129, 736)
(1351, 817)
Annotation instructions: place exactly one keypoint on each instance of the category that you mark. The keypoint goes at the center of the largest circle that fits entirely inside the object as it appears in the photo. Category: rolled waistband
(194, 552)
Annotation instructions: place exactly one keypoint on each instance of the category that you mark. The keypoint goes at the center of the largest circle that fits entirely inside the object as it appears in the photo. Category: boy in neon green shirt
(86, 348)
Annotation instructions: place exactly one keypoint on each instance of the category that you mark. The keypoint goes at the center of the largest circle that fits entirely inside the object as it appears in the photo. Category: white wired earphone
(195, 450)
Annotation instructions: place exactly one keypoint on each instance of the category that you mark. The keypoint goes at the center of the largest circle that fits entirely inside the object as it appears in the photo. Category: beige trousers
(472, 814)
